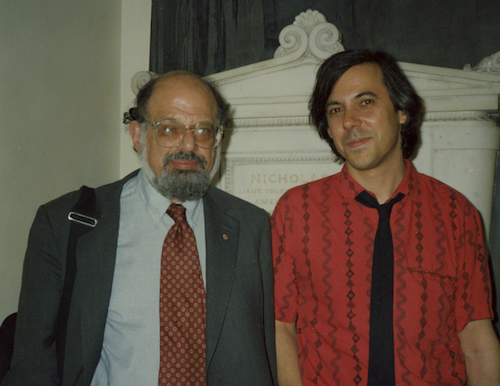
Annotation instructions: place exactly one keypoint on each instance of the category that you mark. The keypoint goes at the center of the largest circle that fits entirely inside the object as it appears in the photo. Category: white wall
(136, 33)
(61, 72)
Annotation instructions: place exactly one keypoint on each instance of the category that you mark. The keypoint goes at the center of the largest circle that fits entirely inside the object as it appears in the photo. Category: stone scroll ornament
(490, 64)
(140, 79)
(310, 35)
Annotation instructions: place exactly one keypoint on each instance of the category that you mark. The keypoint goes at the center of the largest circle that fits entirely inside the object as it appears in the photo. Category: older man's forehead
(183, 82)
(180, 94)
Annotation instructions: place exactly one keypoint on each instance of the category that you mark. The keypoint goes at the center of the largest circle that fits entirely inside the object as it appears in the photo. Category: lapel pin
(225, 237)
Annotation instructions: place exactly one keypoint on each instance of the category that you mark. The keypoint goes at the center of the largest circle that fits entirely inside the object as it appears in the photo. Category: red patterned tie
(182, 306)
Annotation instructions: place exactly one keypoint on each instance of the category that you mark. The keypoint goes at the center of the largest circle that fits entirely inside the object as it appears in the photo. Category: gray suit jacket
(240, 312)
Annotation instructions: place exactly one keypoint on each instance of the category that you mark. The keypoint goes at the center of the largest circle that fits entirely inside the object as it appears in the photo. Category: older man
(381, 272)
(173, 285)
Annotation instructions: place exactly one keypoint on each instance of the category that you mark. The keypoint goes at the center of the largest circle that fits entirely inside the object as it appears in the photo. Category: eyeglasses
(171, 133)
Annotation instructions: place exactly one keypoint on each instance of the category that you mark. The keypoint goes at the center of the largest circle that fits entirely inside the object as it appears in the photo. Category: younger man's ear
(402, 117)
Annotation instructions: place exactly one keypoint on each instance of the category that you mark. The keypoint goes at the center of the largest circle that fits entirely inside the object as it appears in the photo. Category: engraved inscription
(262, 181)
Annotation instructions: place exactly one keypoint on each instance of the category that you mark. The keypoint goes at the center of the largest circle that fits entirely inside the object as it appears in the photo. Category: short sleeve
(473, 288)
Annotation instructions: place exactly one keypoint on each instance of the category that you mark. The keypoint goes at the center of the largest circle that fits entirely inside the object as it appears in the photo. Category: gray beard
(182, 185)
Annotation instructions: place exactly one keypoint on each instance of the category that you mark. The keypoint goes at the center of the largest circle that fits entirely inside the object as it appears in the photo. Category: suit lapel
(221, 234)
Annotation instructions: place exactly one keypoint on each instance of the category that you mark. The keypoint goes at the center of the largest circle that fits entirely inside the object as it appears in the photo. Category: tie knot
(384, 210)
(177, 212)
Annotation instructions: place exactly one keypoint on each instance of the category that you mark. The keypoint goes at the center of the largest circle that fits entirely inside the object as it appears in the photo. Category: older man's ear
(135, 132)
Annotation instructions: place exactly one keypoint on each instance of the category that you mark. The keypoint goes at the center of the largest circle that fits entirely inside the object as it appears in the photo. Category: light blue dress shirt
(131, 350)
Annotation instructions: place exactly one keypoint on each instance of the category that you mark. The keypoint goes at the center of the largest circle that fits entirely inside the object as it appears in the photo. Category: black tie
(381, 353)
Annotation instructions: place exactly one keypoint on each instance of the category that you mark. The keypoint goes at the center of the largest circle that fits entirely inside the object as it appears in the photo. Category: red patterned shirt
(323, 247)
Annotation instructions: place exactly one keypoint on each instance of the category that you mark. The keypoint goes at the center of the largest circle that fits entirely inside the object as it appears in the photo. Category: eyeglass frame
(156, 125)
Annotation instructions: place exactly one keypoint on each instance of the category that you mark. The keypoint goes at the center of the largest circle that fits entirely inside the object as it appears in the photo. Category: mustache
(184, 155)
(355, 134)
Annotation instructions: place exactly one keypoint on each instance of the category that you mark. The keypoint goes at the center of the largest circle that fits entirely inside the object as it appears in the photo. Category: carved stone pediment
(275, 82)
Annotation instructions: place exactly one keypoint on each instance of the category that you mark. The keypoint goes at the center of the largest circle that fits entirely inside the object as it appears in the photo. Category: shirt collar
(157, 204)
(350, 188)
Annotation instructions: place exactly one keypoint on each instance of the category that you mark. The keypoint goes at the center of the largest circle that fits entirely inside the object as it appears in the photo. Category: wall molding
(244, 123)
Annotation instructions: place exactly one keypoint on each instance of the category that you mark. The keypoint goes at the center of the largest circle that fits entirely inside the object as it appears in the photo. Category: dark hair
(401, 92)
(139, 113)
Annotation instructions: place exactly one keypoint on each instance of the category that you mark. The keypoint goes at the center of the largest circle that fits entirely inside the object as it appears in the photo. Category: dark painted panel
(210, 36)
